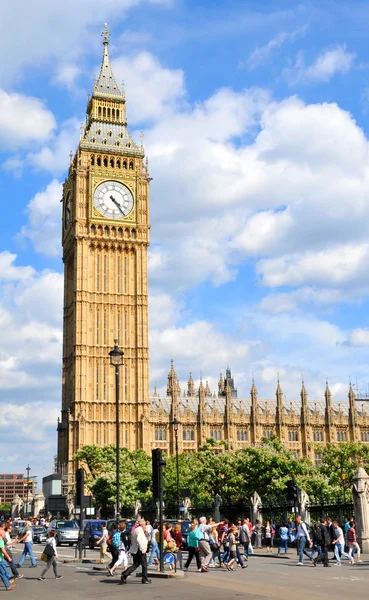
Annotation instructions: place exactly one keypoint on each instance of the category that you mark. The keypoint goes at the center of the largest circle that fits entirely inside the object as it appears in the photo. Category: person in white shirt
(339, 545)
(27, 538)
(302, 537)
(138, 551)
(102, 542)
(50, 551)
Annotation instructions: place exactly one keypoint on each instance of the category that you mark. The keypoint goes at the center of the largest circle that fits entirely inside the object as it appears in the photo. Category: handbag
(44, 557)
(49, 551)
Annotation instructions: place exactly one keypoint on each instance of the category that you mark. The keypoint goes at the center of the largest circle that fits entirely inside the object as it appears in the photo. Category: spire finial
(105, 35)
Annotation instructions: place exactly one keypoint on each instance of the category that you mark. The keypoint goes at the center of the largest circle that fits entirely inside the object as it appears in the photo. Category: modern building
(14, 484)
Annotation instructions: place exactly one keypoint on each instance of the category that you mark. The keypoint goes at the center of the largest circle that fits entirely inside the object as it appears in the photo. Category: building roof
(106, 84)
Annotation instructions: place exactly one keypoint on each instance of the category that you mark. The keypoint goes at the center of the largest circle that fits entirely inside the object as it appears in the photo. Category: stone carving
(137, 509)
(217, 505)
(360, 492)
(256, 505)
(38, 503)
(303, 505)
(187, 507)
(17, 506)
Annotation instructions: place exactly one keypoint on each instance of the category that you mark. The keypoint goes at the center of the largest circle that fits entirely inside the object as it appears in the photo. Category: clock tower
(105, 239)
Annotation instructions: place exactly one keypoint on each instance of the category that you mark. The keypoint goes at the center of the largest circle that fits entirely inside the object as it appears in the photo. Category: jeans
(28, 549)
(4, 576)
(154, 550)
(301, 546)
(193, 552)
(11, 565)
(283, 544)
(246, 549)
(115, 556)
(339, 551)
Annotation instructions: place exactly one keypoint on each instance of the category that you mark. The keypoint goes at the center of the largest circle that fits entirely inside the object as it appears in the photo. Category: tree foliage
(214, 469)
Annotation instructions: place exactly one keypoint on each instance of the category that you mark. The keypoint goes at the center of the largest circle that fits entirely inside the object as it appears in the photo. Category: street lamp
(116, 361)
(175, 424)
(28, 470)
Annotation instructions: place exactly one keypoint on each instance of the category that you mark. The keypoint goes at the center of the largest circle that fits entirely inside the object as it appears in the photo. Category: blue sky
(255, 117)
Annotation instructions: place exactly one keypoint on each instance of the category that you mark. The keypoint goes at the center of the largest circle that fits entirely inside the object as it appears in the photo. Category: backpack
(115, 539)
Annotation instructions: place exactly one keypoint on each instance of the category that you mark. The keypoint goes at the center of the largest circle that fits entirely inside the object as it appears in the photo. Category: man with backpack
(245, 538)
(138, 552)
(301, 538)
(113, 542)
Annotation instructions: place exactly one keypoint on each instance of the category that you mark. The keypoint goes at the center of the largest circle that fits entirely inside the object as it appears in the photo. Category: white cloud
(332, 61)
(44, 220)
(23, 120)
(54, 157)
(151, 88)
(358, 338)
(262, 53)
(67, 74)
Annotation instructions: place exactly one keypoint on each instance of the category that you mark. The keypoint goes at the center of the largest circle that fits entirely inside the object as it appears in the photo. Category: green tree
(339, 463)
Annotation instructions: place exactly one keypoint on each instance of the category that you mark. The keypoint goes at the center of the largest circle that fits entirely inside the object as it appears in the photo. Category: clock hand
(117, 204)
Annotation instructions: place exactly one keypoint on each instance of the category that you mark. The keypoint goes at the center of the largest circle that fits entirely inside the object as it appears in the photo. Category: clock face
(113, 200)
(67, 212)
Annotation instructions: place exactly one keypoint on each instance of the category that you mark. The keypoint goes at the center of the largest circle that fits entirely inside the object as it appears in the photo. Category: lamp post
(116, 361)
(175, 424)
(28, 470)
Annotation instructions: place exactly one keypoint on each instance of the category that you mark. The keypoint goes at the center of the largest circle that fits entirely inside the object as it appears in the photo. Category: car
(67, 532)
(18, 528)
(39, 534)
(92, 532)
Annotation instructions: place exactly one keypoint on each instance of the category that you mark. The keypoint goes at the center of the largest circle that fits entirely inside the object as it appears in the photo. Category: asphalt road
(265, 578)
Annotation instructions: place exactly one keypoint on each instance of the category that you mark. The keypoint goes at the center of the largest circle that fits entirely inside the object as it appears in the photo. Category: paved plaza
(265, 577)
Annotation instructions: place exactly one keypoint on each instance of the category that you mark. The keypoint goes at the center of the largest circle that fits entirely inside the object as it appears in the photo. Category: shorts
(233, 553)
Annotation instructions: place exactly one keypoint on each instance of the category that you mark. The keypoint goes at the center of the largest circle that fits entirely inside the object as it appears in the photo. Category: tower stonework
(105, 240)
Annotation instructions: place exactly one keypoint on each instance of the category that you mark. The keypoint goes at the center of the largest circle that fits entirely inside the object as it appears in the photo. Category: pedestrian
(154, 552)
(258, 531)
(193, 547)
(325, 541)
(138, 551)
(214, 547)
(102, 542)
(205, 552)
(9, 545)
(245, 538)
(268, 536)
(4, 575)
(291, 530)
(302, 537)
(223, 541)
(283, 539)
(317, 540)
(50, 551)
(352, 543)
(179, 543)
(113, 543)
(27, 538)
(122, 552)
(339, 545)
(232, 548)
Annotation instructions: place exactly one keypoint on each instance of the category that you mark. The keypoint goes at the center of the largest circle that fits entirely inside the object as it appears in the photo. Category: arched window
(105, 162)
(120, 232)
(113, 113)
(124, 165)
(133, 233)
(108, 113)
(99, 111)
(106, 231)
(92, 160)
(131, 165)
(98, 161)
(104, 112)
(112, 162)
(93, 229)
(117, 114)
(118, 164)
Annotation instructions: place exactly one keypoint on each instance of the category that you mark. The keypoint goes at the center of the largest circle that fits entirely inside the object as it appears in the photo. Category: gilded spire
(207, 389)
(106, 84)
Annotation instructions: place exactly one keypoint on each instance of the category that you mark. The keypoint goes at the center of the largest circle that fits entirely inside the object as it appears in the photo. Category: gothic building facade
(105, 239)
(303, 426)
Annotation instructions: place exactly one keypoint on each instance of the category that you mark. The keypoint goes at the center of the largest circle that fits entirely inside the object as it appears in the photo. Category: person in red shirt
(352, 542)
(179, 543)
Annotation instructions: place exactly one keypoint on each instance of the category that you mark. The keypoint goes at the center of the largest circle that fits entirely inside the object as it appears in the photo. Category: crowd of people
(223, 544)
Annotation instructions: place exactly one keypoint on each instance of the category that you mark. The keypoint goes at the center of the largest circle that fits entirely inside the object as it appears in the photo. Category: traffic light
(157, 472)
(80, 487)
(291, 494)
